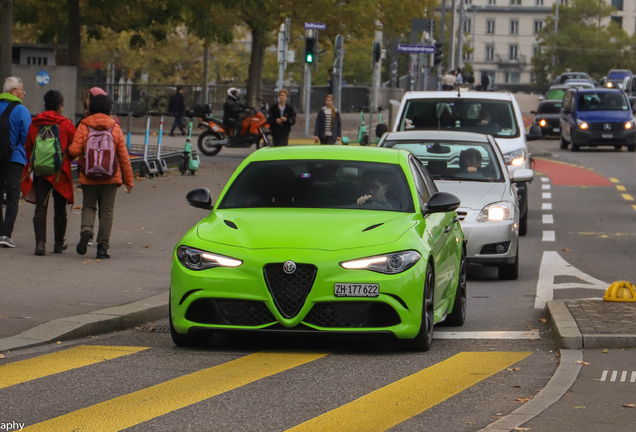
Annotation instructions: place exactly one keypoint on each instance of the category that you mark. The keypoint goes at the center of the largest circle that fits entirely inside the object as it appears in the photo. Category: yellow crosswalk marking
(628, 197)
(613, 180)
(143, 405)
(61, 361)
(408, 397)
(620, 187)
(634, 207)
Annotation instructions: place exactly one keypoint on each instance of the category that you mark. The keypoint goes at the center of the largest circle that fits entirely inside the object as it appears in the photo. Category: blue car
(597, 117)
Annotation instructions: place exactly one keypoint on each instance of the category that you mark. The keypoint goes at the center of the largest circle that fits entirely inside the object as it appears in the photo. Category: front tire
(510, 271)
(143, 170)
(457, 317)
(206, 143)
(523, 223)
(423, 340)
(631, 148)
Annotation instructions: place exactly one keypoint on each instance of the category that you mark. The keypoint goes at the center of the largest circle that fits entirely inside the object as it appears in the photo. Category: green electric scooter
(380, 128)
(363, 136)
(189, 161)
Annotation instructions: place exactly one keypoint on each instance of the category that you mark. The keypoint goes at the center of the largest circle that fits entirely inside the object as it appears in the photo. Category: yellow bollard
(620, 291)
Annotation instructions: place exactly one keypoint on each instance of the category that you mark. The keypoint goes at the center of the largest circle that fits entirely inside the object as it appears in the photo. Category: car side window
(428, 180)
(422, 192)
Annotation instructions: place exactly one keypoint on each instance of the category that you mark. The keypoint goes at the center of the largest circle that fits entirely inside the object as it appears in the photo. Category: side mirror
(380, 130)
(442, 202)
(534, 133)
(533, 112)
(200, 198)
(522, 175)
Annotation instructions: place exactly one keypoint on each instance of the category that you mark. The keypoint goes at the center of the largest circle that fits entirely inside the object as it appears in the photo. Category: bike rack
(162, 165)
(148, 167)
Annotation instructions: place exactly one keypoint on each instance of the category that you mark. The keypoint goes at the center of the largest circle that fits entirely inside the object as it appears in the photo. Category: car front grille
(600, 127)
(289, 291)
(229, 312)
(352, 314)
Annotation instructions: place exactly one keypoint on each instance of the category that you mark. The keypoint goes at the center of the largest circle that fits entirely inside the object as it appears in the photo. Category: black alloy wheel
(457, 317)
(510, 271)
(423, 340)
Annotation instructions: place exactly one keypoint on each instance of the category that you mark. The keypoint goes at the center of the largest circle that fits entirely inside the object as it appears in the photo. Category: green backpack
(47, 156)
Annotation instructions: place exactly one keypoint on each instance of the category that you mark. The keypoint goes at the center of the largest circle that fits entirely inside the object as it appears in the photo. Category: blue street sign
(315, 26)
(43, 78)
(416, 49)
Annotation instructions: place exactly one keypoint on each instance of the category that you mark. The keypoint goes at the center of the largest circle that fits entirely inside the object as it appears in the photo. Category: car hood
(548, 116)
(473, 195)
(604, 116)
(324, 229)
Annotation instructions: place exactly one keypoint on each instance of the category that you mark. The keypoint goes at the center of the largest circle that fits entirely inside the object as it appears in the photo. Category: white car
(496, 114)
(471, 166)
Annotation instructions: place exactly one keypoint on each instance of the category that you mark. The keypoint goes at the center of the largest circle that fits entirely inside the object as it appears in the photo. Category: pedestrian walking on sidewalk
(328, 125)
(176, 108)
(49, 169)
(281, 118)
(100, 178)
(15, 120)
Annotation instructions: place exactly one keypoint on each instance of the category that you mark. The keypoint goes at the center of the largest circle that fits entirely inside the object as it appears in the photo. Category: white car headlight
(516, 157)
(392, 263)
(496, 212)
(196, 259)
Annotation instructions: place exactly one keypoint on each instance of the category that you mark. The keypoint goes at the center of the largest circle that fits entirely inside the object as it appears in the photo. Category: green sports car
(322, 239)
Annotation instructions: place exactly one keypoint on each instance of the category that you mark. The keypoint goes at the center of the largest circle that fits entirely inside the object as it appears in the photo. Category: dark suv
(597, 117)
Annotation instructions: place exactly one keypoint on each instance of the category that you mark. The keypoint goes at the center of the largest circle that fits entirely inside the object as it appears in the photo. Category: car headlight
(610, 85)
(392, 263)
(196, 259)
(581, 124)
(516, 157)
(629, 125)
(496, 212)
(542, 123)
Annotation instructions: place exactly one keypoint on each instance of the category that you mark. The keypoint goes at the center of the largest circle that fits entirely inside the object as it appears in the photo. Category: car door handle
(447, 229)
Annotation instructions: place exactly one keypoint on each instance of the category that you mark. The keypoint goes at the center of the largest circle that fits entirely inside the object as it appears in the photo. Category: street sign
(416, 49)
(43, 78)
(315, 26)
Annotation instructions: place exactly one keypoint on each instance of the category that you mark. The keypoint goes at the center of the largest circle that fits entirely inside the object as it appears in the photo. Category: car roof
(598, 90)
(330, 152)
(559, 87)
(573, 73)
(504, 96)
(436, 135)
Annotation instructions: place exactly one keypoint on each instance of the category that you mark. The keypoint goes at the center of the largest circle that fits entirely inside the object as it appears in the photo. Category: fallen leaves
(567, 250)
(1, 356)
(59, 343)
(93, 337)
(605, 351)
(581, 362)
(513, 369)
(521, 400)
(521, 429)
(629, 406)
(580, 407)
(543, 320)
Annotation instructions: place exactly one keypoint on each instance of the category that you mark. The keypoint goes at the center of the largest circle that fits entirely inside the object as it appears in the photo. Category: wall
(63, 79)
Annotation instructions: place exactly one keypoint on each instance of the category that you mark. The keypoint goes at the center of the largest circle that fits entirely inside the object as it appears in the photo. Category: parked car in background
(599, 117)
(580, 83)
(616, 78)
(471, 167)
(555, 93)
(548, 117)
(561, 79)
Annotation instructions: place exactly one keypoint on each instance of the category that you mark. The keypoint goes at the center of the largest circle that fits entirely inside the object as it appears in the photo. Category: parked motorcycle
(216, 135)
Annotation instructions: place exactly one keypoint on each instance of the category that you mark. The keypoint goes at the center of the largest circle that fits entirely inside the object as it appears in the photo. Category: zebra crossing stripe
(623, 376)
(633, 378)
(614, 374)
(129, 410)
(49, 364)
(604, 376)
(397, 402)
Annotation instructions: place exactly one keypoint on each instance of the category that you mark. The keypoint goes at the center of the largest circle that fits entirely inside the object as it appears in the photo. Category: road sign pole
(282, 54)
(336, 78)
(310, 33)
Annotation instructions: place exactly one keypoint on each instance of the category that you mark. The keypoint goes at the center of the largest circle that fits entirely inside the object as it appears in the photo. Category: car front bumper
(596, 138)
(482, 239)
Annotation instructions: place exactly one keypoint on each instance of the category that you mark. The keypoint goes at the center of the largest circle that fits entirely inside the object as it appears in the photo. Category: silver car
(471, 166)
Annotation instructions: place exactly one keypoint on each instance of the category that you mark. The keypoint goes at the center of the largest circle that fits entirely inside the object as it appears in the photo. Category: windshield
(618, 75)
(454, 160)
(320, 184)
(600, 101)
(550, 108)
(556, 94)
(566, 77)
(466, 115)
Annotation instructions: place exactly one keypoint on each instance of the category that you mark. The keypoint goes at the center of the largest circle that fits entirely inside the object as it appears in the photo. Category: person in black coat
(281, 118)
(232, 110)
(485, 81)
(328, 125)
(176, 107)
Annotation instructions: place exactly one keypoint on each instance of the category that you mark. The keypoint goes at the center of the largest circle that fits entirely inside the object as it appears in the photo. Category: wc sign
(43, 78)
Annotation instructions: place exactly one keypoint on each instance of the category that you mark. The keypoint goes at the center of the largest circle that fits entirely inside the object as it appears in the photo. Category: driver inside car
(375, 186)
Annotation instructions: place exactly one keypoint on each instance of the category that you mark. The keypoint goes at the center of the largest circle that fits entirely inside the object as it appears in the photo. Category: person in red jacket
(100, 193)
(36, 189)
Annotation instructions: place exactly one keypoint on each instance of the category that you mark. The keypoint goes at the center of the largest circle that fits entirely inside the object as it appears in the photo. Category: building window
(618, 20)
(515, 2)
(467, 25)
(490, 26)
(512, 77)
(40, 61)
(618, 4)
(492, 2)
(466, 56)
(490, 52)
(539, 2)
(469, 2)
(538, 24)
(513, 52)
(535, 51)
(514, 27)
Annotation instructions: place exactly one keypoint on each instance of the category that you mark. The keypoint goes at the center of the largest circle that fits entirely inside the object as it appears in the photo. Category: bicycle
(148, 102)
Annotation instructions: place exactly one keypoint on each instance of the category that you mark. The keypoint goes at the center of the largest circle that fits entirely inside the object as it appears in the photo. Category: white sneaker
(90, 242)
(6, 242)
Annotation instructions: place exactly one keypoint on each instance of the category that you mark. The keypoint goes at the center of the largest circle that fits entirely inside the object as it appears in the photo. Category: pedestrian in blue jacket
(15, 120)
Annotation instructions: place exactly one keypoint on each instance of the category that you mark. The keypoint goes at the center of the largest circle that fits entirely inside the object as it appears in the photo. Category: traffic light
(439, 48)
(377, 52)
(310, 49)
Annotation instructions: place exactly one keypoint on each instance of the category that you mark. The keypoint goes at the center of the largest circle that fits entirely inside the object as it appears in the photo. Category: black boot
(83, 243)
(102, 252)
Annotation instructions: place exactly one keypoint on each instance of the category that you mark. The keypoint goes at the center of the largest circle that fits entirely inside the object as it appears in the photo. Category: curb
(558, 385)
(101, 321)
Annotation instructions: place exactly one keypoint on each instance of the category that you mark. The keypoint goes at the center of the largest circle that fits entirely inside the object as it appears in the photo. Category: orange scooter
(216, 134)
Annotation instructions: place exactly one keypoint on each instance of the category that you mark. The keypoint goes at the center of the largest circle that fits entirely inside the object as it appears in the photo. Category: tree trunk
(75, 49)
(7, 37)
(255, 77)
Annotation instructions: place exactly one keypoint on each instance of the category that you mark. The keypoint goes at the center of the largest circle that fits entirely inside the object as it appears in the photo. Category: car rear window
(550, 108)
(556, 94)
(484, 116)
(319, 184)
(618, 75)
(603, 101)
(566, 77)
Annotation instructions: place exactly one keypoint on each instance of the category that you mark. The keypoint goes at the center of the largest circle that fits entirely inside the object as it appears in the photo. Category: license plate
(608, 136)
(556, 130)
(356, 290)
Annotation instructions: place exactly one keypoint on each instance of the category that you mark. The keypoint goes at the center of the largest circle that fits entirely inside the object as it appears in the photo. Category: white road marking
(553, 265)
(545, 187)
(604, 376)
(546, 195)
(547, 219)
(633, 378)
(623, 376)
(548, 236)
(545, 179)
(546, 206)
(487, 335)
(614, 374)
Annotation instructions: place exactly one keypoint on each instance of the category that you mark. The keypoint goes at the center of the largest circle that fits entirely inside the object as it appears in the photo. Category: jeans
(10, 176)
(102, 197)
(42, 193)
(178, 122)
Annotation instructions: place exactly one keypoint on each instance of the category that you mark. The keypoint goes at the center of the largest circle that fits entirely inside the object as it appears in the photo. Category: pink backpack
(100, 163)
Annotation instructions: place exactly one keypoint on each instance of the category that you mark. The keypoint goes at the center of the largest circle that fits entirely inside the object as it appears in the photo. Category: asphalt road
(284, 382)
